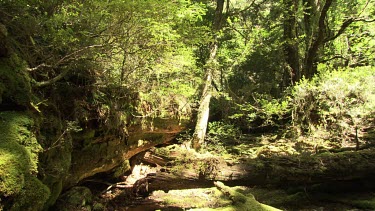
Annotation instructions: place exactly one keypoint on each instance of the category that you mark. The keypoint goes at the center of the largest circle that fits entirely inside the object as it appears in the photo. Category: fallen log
(272, 170)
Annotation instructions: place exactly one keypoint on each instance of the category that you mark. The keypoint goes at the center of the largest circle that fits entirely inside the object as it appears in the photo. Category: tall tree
(310, 25)
(209, 68)
(317, 42)
(292, 71)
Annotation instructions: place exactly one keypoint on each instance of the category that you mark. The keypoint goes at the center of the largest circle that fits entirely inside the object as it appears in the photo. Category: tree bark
(204, 105)
(292, 72)
(203, 113)
(311, 57)
(276, 170)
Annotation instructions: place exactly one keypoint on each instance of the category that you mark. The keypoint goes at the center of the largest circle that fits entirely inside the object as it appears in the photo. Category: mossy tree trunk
(275, 170)
(204, 106)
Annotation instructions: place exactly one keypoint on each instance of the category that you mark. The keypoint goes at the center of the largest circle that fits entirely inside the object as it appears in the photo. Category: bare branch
(69, 56)
(38, 67)
(53, 80)
(365, 20)
(66, 58)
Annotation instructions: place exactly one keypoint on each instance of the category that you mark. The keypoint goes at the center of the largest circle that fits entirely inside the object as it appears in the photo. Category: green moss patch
(223, 198)
(32, 196)
(19, 162)
(77, 198)
(14, 82)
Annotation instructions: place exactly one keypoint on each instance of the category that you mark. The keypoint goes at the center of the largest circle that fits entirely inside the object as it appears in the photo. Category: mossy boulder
(32, 196)
(240, 201)
(77, 198)
(19, 148)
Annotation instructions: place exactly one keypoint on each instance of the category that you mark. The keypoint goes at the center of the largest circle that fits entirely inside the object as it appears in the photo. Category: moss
(18, 151)
(358, 200)
(241, 201)
(122, 169)
(32, 196)
(98, 207)
(13, 165)
(279, 198)
(77, 198)
(57, 161)
(19, 162)
(56, 189)
(192, 198)
(15, 84)
(363, 204)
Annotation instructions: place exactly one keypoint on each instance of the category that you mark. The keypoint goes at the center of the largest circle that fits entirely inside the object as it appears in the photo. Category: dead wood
(274, 170)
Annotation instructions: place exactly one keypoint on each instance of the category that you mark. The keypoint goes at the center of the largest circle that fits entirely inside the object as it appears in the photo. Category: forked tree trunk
(204, 105)
(310, 67)
(292, 72)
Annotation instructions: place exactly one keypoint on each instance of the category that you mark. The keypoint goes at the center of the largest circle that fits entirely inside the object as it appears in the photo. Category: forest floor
(184, 197)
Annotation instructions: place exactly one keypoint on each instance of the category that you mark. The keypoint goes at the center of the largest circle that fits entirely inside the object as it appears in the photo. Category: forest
(187, 105)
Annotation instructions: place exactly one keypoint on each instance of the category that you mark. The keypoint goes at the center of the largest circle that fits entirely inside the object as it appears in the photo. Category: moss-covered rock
(240, 201)
(19, 150)
(77, 198)
(32, 196)
(55, 161)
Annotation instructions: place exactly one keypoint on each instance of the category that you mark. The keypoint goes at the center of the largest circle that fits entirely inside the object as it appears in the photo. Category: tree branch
(343, 27)
(244, 9)
(53, 80)
(334, 57)
(66, 58)
(38, 67)
(60, 76)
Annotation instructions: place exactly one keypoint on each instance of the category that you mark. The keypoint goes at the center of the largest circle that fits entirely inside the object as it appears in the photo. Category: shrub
(220, 134)
(265, 112)
(341, 102)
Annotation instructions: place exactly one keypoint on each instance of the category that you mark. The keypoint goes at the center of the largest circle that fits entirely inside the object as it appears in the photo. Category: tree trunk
(276, 170)
(203, 113)
(311, 58)
(292, 71)
(204, 105)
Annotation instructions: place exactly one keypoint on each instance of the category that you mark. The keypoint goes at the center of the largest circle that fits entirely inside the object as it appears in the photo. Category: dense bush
(337, 104)
(222, 132)
(265, 114)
